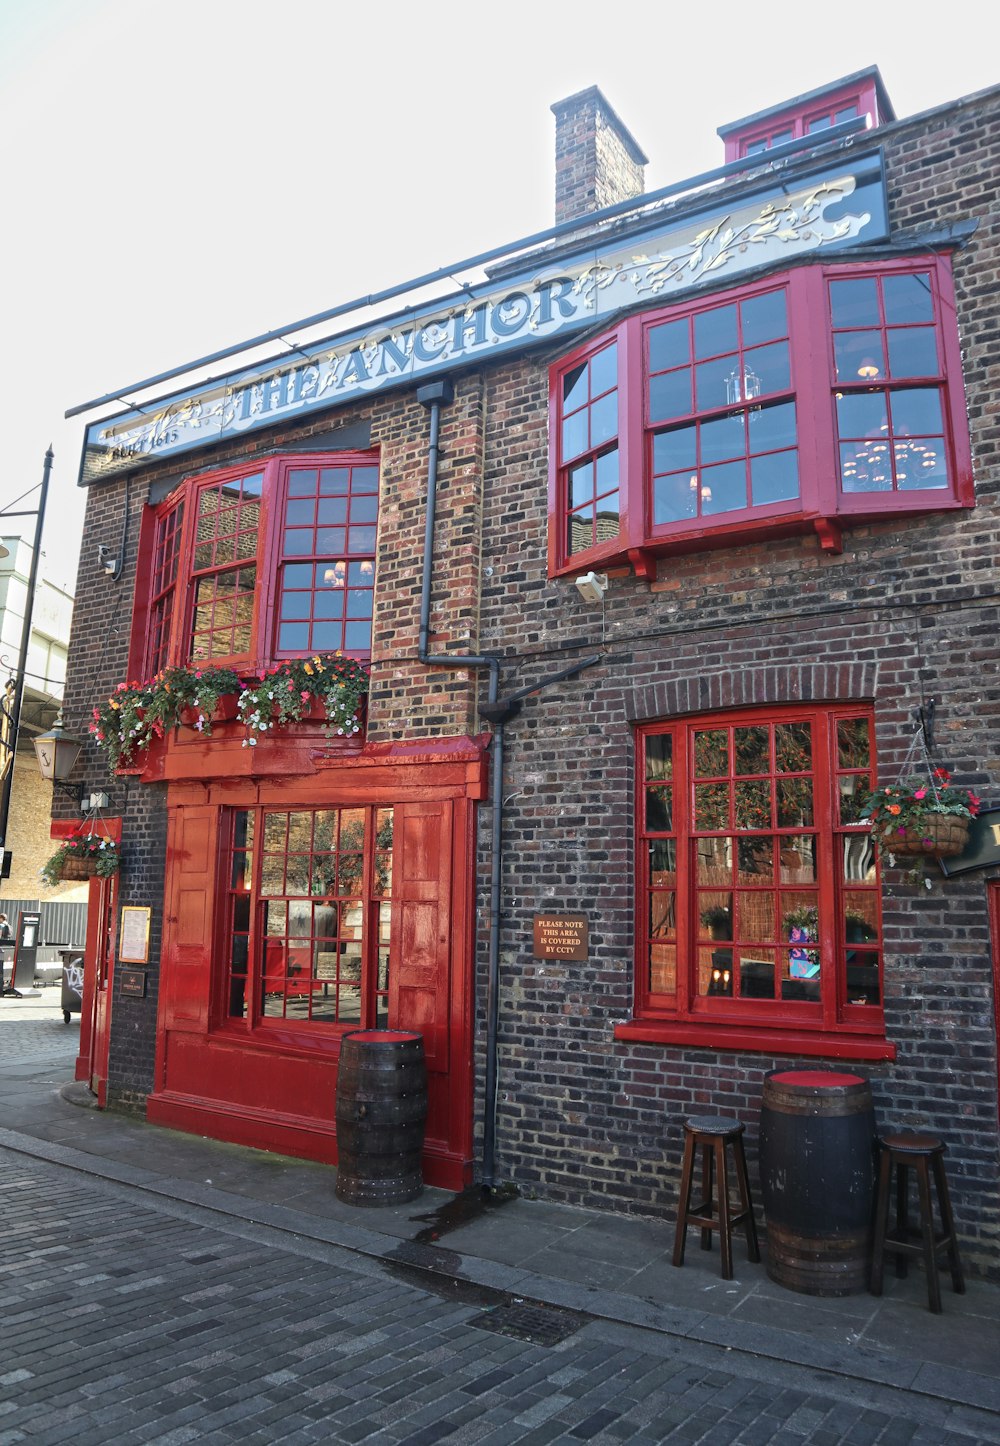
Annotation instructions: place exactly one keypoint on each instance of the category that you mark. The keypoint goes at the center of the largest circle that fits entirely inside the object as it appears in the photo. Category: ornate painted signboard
(662, 254)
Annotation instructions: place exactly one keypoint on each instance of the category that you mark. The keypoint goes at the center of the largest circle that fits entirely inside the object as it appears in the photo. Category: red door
(98, 980)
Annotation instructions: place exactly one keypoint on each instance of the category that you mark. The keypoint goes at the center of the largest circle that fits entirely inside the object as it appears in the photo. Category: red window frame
(306, 919)
(163, 582)
(813, 387)
(175, 561)
(718, 991)
(792, 122)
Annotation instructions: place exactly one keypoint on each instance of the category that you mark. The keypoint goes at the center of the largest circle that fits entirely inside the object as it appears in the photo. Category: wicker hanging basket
(939, 836)
(73, 869)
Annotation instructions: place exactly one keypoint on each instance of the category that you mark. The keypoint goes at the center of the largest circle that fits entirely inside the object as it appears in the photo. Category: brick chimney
(597, 159)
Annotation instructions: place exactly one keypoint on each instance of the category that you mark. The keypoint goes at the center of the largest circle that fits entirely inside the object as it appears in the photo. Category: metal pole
(22, 657)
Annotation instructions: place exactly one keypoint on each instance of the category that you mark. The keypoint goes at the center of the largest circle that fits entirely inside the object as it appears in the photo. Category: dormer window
(862, 94)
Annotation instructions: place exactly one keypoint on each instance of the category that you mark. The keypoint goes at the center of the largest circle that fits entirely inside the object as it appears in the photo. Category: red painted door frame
(98, 983)
(993, 900)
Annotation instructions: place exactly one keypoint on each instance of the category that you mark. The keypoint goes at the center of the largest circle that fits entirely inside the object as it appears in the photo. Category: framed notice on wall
(133, 942)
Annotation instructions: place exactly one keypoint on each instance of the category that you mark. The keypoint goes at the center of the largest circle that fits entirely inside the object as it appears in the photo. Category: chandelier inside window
(742, 385)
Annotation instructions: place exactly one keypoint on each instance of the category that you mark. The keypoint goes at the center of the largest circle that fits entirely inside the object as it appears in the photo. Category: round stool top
(911, 1143)
(714, 1125)
(817, 1079)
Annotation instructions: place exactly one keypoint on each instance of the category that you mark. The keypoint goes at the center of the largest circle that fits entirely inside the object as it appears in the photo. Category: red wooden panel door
(192, 852)
(420, 948)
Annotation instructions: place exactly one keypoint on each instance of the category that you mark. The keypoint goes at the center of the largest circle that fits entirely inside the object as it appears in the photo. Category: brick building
(685, 520)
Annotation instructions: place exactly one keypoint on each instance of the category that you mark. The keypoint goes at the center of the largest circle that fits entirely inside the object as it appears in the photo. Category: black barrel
(381, 1113)
(817, 1175)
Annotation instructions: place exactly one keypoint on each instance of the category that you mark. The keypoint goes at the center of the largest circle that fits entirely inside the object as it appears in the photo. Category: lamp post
(14, 714)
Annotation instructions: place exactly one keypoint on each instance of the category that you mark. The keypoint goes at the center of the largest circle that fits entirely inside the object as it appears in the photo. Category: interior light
(868, 369)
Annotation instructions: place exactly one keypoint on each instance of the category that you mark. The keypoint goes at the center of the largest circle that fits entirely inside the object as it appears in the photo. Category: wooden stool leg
(948, 1225)
(881, 1220)
(902, 1219)
(746, 1204)
(707, 1160)
(725, 1224)
(927, 1232)
(684, 1204)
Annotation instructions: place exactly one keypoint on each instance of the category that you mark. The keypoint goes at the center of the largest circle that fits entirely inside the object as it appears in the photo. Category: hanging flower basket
(937, 836)
(74, 868)
(924, 818)
(87, 856)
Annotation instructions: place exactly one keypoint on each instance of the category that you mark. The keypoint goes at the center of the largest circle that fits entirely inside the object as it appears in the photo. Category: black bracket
(924, 716)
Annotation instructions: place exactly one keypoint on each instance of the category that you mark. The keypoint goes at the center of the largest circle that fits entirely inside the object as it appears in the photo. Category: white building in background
(45, 674)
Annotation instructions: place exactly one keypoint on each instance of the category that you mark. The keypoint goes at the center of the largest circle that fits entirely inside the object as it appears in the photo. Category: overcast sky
(178, 175)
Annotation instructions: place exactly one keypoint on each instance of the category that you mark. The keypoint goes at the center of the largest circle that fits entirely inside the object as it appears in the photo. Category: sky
(180, 175)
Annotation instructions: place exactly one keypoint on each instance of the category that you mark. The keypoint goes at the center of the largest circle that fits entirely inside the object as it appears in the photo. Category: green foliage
(138, 713)
(288, 692)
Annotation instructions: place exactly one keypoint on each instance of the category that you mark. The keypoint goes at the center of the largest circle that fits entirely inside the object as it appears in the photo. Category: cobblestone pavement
(127, 1320)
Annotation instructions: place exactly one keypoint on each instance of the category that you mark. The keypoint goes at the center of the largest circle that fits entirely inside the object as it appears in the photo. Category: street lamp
(57, 753)
(13, 712)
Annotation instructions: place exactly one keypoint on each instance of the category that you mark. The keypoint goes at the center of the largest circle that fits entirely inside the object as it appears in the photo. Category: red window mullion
(138, 652)
(824, 732)
(812, 361)
(634, 495)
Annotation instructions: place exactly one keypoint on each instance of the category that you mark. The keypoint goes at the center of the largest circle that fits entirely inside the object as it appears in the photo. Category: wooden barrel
(817, 1175)
(381, 1113)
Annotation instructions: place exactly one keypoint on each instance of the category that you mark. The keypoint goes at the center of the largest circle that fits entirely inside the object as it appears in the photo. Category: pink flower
(920, 793)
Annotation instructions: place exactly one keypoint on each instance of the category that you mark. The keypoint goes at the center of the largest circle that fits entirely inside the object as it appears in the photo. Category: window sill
(702, 535)
(753, 1040)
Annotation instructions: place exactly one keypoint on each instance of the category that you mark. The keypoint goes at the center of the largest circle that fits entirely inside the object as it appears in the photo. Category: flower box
(224, 712)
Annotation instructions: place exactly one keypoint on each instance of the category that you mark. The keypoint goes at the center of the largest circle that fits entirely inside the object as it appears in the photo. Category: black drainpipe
(496, 711)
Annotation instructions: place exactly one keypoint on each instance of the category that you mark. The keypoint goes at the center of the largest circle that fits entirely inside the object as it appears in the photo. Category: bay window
(758, 899)
(800, 400)
(253, 564)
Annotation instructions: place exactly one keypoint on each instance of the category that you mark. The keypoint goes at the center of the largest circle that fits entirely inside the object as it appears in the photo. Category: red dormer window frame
(802, 117)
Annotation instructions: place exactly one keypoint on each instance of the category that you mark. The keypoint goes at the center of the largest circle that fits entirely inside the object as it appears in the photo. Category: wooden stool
(917, 1153)
(711, 1134)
